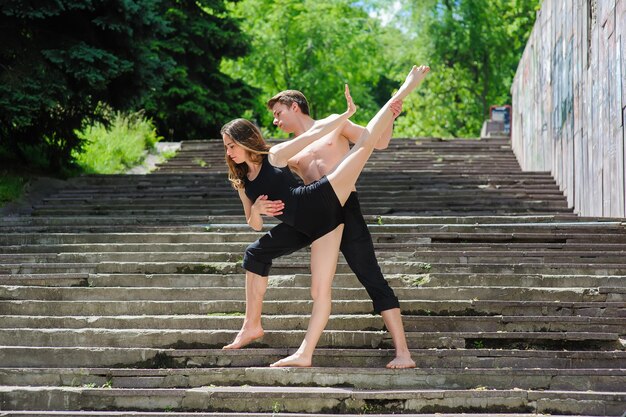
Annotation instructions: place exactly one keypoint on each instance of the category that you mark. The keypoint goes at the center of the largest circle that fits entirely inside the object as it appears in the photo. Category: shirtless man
(291, 114)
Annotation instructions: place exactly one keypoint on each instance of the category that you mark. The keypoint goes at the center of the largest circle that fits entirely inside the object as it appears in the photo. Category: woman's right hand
(266, 207)
(351, 106)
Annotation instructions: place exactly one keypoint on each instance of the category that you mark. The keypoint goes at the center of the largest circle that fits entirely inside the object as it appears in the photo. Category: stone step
(76, 356)
(220, 233)
(605, 380)
(303, 293)
(337, 322)
(367, 185)
(175, 338)
(348, 280)
(369, 188)
(409, 307)
(371, 191)
(534, 192)
(411, 220)
(535, 195)
(240, 414)
(343, 280)
(180, 203)
(511, 208)
(284, 267)
(314, 400)
(442, 200)
(405, 254)
(598, 250)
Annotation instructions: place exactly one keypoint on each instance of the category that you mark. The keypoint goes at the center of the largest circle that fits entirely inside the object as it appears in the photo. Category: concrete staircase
(117, 293)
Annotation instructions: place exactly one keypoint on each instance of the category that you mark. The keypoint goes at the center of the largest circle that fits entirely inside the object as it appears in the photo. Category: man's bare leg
(393, 322)
(324, 254)
(252, 329)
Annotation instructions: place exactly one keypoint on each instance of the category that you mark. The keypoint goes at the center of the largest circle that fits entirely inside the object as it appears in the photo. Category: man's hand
(396, 108)
(266, 207)
(351, 106)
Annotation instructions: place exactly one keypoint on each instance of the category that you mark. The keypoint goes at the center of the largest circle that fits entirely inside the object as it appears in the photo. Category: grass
(110, 148)
(114, 148)
(11, 186)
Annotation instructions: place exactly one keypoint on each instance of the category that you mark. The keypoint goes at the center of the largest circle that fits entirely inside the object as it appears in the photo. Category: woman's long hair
(245, 134)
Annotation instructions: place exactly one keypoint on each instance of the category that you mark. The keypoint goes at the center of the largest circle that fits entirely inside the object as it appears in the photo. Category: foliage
(59, 59)
(11, 186)
(473, 48)
(117, 145)
(314, 46)
(196, 98)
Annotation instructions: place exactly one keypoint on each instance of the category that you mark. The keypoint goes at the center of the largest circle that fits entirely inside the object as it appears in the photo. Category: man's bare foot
(415, 77)
(295, 360)
(401, 362)
(245, 337)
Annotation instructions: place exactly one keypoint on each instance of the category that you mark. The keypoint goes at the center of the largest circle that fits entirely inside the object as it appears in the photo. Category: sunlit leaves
(314, 46)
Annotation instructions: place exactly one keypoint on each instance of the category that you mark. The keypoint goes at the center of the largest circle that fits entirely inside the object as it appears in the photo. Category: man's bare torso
(320, 157)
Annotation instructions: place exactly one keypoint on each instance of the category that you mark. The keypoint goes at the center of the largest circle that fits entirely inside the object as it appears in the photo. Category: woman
(310, 213)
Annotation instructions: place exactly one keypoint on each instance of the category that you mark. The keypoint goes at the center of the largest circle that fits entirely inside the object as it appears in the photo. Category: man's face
(285, 116)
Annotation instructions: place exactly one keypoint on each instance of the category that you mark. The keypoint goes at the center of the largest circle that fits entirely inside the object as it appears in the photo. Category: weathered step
(344, 280)
(218, 233)
(209, 338)
(415, 200)
(284, 267)
(574, 250)
(336, 322)
(403, 254)
(314, 400)
(47, 268)
(303, 293)
(606, 380)
(448, 208)
(559, 219)
(409, 307)
(239, 414)
(38, 357)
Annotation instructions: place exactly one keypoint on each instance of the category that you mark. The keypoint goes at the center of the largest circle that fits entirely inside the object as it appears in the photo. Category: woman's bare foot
(401, 362)
(295, 360)
(245, 337)
(415, 77)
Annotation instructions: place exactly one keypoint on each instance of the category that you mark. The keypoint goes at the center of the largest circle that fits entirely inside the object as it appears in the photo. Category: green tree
(59, 59)
(314, 46)
(473, 48)
(197, 98)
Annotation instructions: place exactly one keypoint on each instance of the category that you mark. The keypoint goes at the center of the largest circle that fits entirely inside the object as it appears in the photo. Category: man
(291, 114)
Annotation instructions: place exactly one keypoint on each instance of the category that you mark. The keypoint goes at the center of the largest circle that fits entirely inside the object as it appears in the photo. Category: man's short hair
(288, 97)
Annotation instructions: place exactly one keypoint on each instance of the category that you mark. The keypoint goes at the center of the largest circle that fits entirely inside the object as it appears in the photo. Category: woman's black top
(312, 209)
(277, 184)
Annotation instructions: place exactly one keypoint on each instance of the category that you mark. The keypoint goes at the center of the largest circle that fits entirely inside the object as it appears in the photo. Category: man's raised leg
(344, 176)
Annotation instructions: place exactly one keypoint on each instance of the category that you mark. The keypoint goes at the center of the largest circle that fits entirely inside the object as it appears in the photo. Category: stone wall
(569, 102)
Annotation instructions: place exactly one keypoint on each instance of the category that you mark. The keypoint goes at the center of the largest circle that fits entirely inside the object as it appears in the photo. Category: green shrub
(11, 187)
(117, 146)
